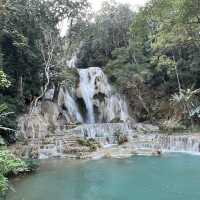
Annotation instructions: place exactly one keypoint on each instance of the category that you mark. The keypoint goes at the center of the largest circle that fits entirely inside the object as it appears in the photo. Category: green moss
(120, 137)
(91, 143)
(116, 120)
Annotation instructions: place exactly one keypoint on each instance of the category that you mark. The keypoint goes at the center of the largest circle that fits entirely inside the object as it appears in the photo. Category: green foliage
(69, 76)
(3, 80)
(186, 104)
(32, 165)
(172, 125)
(120, 68)
(24, 45)
(91, 143)
(120, 137)
(9, 164)
(162, 57)
(148, 55)
(108, 30)
(12, 108)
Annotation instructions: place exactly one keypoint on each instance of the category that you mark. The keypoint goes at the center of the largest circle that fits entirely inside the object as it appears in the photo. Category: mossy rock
(121, 138)
(116, 120)
(91, 143)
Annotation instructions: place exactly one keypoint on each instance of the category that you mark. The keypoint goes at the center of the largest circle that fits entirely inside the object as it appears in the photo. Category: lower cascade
(92, 110)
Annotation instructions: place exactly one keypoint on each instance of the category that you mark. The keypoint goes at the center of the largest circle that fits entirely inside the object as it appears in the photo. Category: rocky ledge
(102, 140)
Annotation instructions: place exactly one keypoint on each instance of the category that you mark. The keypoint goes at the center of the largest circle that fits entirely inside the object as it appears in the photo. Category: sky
(96, 4)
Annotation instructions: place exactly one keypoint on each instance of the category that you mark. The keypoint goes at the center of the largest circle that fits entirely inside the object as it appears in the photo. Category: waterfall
(101, 102)
(97, 93)
(68, 101)
(87, 92)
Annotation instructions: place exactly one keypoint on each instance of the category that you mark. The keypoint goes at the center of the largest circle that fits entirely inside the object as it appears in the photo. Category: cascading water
(180, 143)
(104, 132)
(97, 93)
(67, 100)
(87, 92)
(168, 143)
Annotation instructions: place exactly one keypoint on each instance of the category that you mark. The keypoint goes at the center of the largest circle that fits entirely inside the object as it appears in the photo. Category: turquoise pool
(169, 177)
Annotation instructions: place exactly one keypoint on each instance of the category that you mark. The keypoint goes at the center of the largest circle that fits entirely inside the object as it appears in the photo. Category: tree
(24, 24)
(108, 30)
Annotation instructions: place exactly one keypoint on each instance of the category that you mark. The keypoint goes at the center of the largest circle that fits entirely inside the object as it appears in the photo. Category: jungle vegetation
(150, 55)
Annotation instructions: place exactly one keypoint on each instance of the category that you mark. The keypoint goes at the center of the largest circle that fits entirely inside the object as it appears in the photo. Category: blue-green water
(170, 177)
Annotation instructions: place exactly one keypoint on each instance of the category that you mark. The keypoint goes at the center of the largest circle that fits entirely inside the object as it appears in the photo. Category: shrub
(9, 164)
(32, 165)
(91, 143)
(186, 105)
(121, 138)
(172, 125)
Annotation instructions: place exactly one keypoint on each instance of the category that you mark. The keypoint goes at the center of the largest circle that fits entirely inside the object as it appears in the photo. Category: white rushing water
(168, 143)
(97, 92)
(104, 131)
(68, 101)
(87, 92)
(101, 103)
(181, 143)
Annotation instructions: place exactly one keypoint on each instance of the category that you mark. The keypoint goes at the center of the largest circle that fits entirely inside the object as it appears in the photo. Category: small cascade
(73, 61)
(104, 133)
(168, 143)
(180, 143)
(102, 104)
(114, 107)
(69, 103)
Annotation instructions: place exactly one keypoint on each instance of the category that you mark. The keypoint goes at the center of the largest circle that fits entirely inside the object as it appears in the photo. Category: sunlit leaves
(4, 82)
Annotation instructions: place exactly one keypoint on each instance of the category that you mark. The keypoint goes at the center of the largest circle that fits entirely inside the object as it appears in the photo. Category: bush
(32, 165)
(91, 143)
(13, 106)
(121, 138)
(3, 184)
(9, 165)
(172, 125)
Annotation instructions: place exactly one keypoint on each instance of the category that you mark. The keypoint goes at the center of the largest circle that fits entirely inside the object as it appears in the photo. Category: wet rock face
(38, 123)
